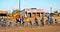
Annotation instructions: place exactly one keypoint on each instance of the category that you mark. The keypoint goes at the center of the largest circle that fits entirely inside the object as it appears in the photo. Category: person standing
(22, 22)
(36, 22)
(42, 20)
(50, 19)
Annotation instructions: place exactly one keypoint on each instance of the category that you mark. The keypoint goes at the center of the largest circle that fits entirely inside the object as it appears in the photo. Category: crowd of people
(28, 21)
(48, 21)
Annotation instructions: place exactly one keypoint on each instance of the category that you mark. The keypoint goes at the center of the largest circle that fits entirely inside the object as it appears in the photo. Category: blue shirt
(49, 18)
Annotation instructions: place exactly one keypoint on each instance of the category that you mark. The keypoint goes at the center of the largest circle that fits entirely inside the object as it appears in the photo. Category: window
(38, 14)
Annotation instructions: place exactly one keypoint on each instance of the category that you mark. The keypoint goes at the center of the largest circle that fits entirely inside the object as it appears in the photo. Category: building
(5, 15)
(33, 12)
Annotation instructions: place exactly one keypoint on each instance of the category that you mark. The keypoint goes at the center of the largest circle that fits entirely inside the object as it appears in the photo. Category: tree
(15, 12)
(56, 11)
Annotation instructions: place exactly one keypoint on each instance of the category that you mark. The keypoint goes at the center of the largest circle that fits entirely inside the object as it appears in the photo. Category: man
(22, 22)
(50, 19)
(42, 20)
(36, 22)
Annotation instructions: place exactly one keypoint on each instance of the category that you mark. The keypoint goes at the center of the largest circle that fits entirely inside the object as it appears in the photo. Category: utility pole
(19, 6)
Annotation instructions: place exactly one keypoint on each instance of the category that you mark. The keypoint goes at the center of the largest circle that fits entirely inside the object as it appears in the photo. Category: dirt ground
(46, 28)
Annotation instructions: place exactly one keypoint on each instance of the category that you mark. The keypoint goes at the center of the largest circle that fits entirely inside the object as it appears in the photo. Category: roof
(3, 11)
(34, 10)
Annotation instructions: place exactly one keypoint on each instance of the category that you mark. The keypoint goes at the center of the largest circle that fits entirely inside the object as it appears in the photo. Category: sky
(10, 5)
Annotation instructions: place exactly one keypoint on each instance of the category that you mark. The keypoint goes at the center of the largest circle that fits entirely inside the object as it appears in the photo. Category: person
(42, 20)
(28, 21)
(36, 22)
(4, 24)
(56, 21)
(22, 20)
(18, 20)
(10, 23)
(2, 19)
(47, 22)
(50, 19)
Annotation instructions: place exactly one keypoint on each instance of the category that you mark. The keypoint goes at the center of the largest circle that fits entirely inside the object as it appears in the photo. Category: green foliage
(15, 12)
(56, 11)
